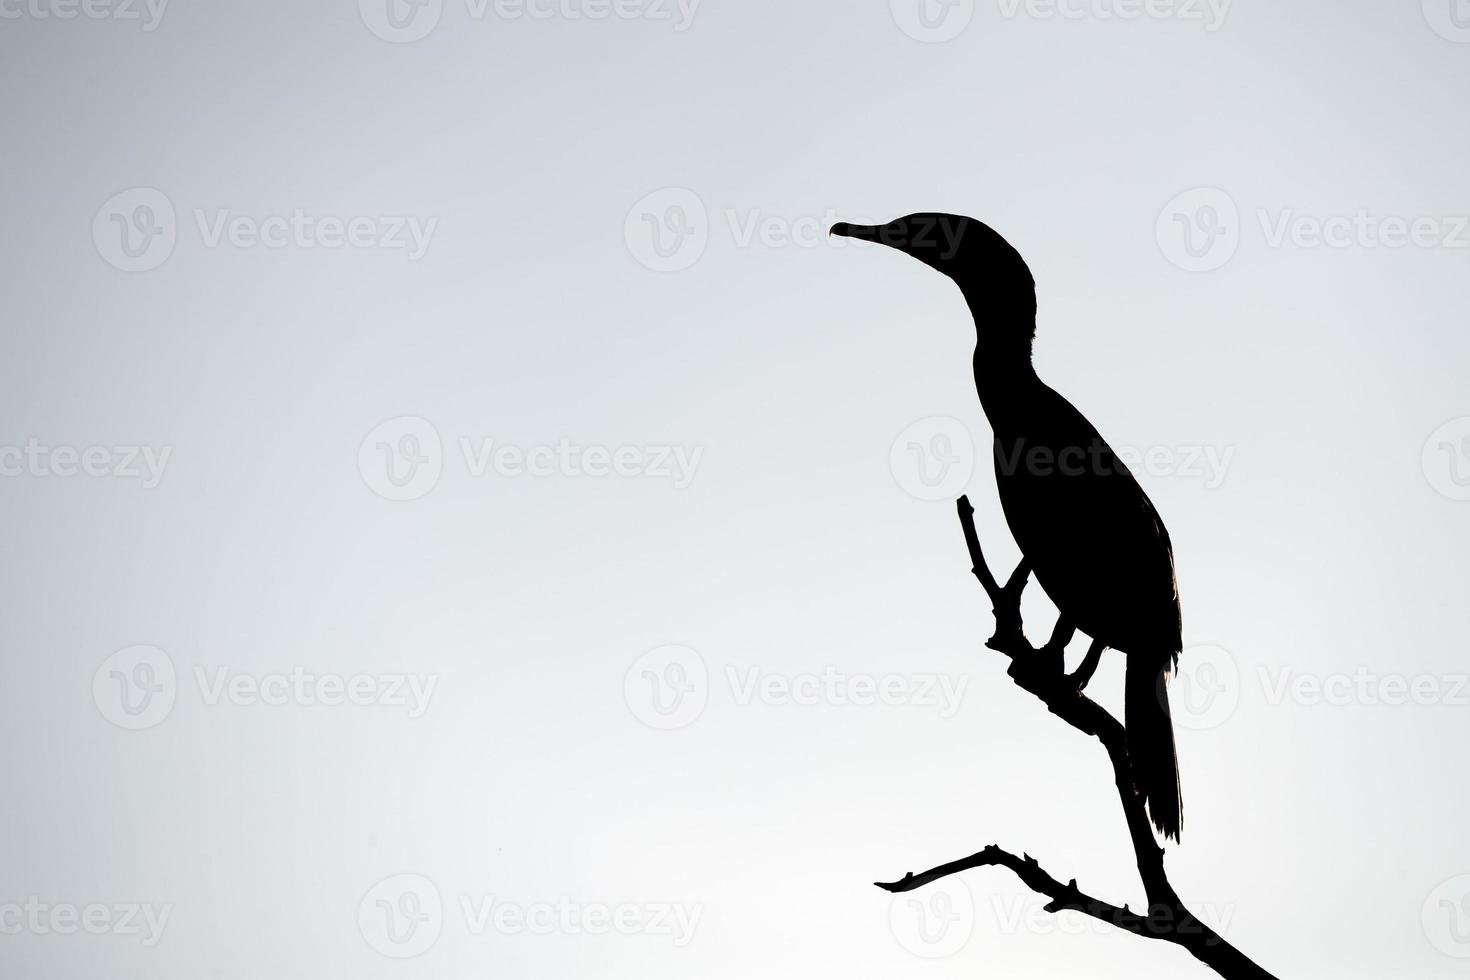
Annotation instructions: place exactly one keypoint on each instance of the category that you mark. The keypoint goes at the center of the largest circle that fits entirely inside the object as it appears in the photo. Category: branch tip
(1168, 919)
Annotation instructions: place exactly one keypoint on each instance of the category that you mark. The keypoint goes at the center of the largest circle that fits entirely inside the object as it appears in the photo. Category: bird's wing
(1097, 543)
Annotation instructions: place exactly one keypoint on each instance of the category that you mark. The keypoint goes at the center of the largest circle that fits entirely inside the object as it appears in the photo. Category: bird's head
(989, 271)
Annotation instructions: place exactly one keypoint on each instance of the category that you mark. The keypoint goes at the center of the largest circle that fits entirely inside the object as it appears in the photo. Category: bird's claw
(1007, 640)
(1051, 660)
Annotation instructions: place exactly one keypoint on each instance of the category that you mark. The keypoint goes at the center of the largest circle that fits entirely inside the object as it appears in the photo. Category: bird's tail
(1151, 741)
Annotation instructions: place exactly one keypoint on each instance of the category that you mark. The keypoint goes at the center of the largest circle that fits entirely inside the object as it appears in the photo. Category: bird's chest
(1045, 505)
(1067, 523)
(1090, 536)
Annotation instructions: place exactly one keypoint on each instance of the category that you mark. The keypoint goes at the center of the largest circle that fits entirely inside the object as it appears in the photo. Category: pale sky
(466, 520)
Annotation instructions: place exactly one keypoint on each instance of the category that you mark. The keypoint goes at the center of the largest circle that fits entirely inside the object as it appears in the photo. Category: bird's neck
(1006, 382)
(1004, 375)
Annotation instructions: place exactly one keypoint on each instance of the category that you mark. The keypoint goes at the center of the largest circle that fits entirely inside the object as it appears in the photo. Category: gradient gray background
(1324, 829)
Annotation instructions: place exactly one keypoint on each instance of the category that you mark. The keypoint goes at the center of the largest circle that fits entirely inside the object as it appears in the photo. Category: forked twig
(1167, 918)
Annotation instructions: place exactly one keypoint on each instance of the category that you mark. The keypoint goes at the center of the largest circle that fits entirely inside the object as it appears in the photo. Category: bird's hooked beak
(865, 233)
(933, 239)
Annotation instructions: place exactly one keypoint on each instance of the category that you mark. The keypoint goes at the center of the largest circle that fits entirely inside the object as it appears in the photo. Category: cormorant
(1085, 526)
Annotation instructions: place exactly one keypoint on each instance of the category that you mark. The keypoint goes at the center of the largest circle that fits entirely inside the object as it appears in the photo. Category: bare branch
(1062, 699)
(1167, 918)
(977, 558)
(1031, 874)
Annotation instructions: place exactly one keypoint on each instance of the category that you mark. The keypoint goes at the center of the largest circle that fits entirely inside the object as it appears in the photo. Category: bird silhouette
(1088, 531)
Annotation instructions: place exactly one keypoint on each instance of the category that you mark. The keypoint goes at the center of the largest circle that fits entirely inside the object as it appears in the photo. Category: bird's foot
(1051, 659)
(1040, 670)
(1077, 680)
(1008, 641)
(1010, 637)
